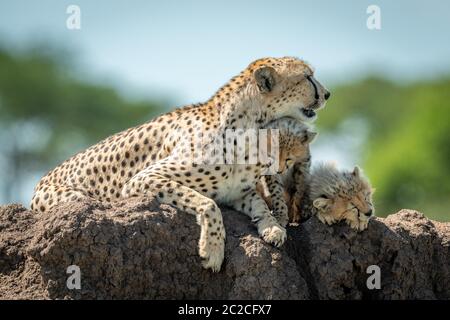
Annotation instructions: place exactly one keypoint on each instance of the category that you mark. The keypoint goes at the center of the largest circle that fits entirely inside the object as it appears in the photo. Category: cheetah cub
(294, 160)
(340, 195)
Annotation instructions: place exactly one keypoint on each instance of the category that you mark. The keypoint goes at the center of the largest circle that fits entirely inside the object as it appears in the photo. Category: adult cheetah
(151, 158)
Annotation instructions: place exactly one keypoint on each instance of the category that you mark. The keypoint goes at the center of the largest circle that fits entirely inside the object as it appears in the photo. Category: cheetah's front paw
(274, 234)
(358, 224)
(326, 218)
(213, 254)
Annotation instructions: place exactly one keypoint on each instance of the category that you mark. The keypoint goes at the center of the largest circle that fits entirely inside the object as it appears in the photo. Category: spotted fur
(341, 195)
(295, 157)
(150, 159)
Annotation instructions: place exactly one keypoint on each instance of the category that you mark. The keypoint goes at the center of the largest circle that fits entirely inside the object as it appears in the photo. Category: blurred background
(63, 89)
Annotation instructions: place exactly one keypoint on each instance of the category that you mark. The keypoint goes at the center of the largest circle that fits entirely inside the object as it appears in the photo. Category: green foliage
(40, 96)
(407, 153)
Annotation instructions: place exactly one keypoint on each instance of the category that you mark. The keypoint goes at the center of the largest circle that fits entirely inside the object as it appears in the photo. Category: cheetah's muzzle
(309, 113)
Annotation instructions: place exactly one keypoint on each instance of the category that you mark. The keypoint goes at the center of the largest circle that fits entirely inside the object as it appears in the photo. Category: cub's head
(287, 88)
(343, 195)
(294, 138)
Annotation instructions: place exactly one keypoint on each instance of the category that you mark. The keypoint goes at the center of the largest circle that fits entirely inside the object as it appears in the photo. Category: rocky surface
(139, 249)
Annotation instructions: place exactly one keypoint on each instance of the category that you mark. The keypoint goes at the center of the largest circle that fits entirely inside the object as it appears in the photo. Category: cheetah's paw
(326, 219)
(213, 255)
(363, 224)
(358, 224)
(274, 234)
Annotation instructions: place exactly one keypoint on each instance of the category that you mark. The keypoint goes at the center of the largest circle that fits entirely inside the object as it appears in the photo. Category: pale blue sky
(189, 48)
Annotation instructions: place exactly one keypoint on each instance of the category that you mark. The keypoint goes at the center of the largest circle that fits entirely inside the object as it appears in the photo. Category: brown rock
(139, 249)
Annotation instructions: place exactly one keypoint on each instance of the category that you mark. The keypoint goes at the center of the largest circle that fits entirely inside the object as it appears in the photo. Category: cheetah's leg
(279, 206)
(253, 205)
(299, 192)
(212, 232)
(48, 196)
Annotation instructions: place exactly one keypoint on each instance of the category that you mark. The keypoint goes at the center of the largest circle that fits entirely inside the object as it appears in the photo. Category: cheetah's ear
(309, 136)
(321, 203)
(356, 171)
(265, 78)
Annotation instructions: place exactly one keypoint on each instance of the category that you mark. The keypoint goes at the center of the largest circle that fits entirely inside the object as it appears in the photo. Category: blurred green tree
(48, 114)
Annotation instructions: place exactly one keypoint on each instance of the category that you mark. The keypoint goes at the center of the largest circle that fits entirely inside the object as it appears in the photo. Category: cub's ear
(265, 79)
(321, 203)
(356, 171)
(309, 136)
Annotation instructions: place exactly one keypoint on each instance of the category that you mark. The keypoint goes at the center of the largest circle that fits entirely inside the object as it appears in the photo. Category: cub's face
(353, 202)
(294, 149)
(288, 88)
(357, 207)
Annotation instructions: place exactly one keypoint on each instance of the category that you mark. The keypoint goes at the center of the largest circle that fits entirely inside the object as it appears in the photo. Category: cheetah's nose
(327, 95)
(368, 213)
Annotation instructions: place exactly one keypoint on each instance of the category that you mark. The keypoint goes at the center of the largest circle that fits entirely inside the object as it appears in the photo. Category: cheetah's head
(294, 139)
(288, 88)
(295, 150)
(344, 195)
